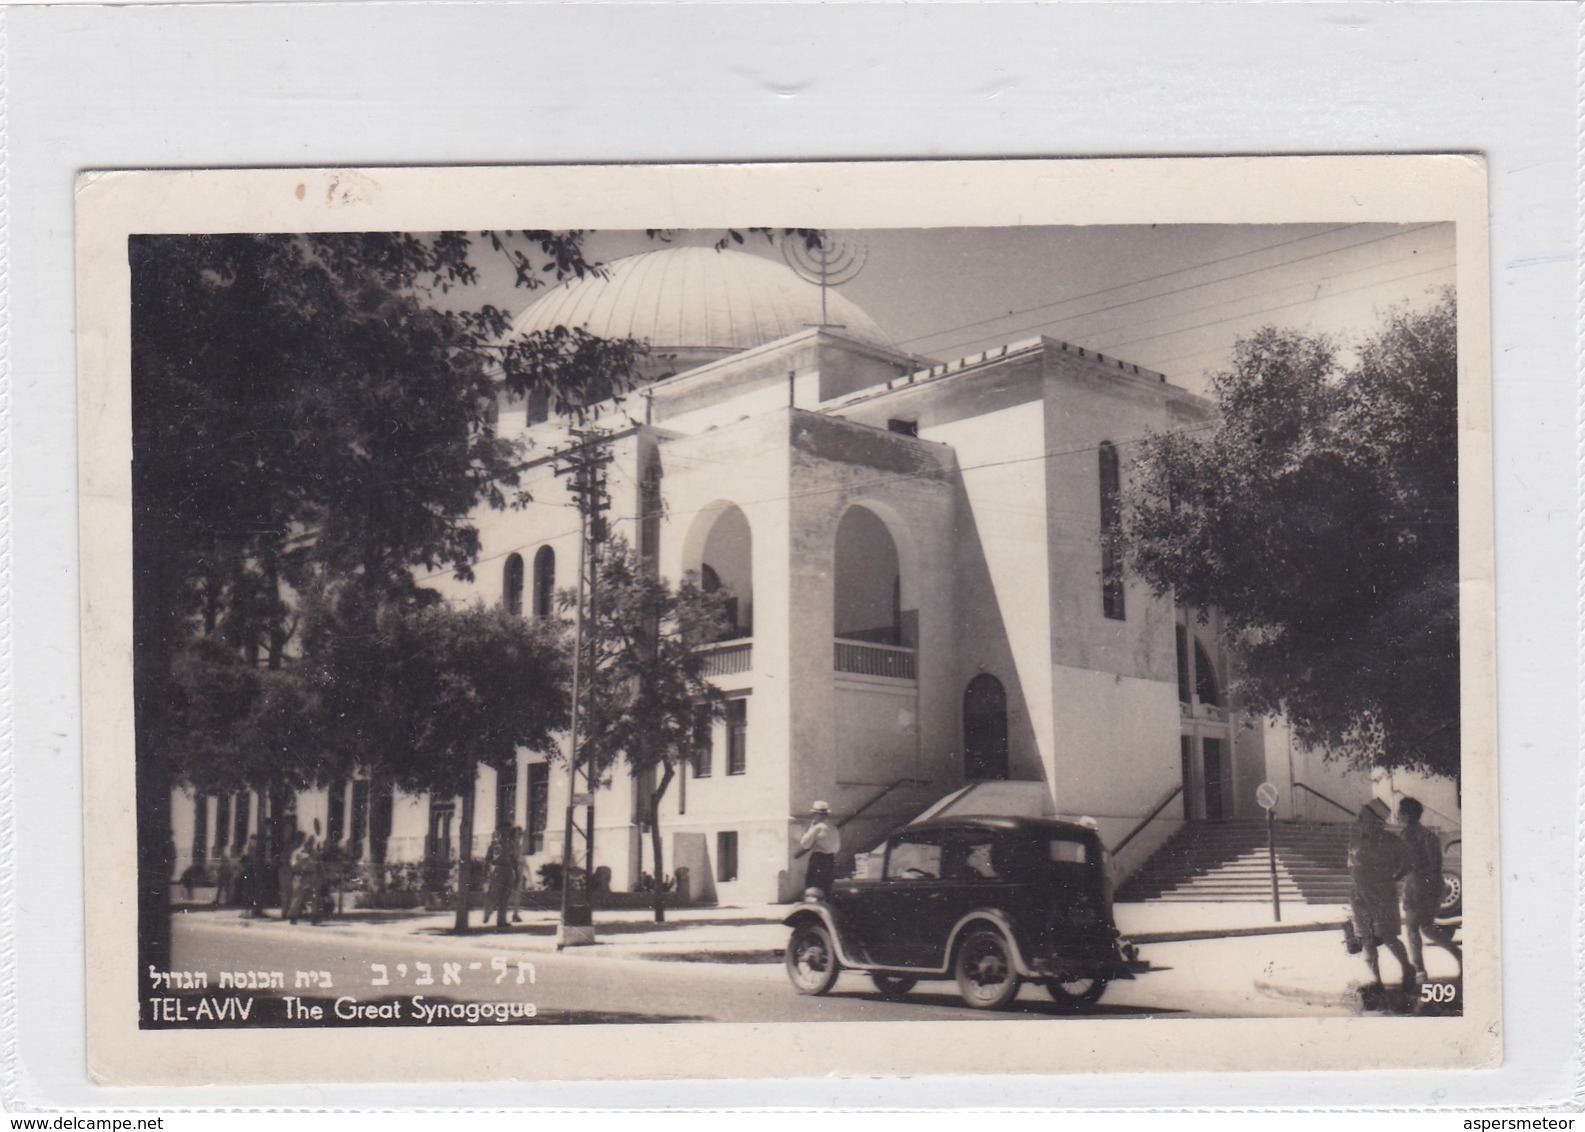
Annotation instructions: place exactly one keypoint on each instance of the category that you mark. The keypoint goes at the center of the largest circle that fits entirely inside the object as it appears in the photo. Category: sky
(1172, 298)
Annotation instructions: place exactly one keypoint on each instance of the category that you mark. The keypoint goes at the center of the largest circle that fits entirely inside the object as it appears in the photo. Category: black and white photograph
(911, 612)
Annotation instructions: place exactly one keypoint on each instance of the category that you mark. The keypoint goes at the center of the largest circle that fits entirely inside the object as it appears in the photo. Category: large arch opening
(868, 584)
(1206, 687)
(985, 748)
(726, 565)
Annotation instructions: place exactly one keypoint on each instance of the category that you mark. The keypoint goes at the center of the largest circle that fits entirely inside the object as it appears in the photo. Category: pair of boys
(1377, 861)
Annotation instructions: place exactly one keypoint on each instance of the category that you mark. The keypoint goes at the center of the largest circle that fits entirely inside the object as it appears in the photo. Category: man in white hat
(823, 841)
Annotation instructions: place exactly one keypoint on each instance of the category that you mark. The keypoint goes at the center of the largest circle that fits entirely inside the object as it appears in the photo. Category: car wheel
(1076, 992)
(811, 959)
(1452, 894)
(984, 969)
(892, 986)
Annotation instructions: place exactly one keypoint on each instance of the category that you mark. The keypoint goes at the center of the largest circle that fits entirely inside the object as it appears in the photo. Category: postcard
(788, 620)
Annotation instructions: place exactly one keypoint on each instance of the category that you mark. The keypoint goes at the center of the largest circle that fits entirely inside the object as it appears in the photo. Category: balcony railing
(874, 660)
(1200, 710)
(729, 658)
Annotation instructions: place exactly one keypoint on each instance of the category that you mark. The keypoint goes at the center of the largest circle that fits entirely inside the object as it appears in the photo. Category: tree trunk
(465, 846)
(156, 586)
(655, 842)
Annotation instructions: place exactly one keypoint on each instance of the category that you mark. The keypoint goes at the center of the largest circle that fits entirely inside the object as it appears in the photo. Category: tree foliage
(1320, 516)
(304, 400)
(651, 699)
(458, 688)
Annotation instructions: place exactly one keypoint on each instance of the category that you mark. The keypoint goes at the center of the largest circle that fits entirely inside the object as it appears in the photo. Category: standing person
(1375, 862)
(224, 877)
(519, 846)
(302, 877)
(502, 862)
(250, 886)
(1422, 887)
(823, 841)
(283, 872)
(327, 873)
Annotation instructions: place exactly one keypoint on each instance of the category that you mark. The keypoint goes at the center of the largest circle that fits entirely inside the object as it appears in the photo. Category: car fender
(824, 915)
(1000, 920)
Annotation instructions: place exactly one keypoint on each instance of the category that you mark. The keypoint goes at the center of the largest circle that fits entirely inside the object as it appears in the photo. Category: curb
(1231, 933)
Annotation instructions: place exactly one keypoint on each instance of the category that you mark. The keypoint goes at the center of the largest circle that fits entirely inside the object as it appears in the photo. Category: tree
(456, 689)
(652, 698)
(302, 406)
(1320, 516)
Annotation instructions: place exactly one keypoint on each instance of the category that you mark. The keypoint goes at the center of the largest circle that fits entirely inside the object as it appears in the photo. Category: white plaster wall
(182, 823)
(1001, 625)
(745, 464)
(1288, 762)
(1116, 747)
(409, 824)
(879, 722)
(1086, 403)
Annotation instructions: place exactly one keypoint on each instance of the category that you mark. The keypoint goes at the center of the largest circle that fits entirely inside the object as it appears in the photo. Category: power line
(1280, 306)
(1091, 337)
(1134, 283)
(1174, 291)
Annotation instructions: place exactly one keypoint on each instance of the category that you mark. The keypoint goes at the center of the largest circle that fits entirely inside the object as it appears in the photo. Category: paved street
(1205, 978)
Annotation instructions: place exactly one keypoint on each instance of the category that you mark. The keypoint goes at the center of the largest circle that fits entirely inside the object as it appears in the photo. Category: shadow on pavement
(1032, 1007)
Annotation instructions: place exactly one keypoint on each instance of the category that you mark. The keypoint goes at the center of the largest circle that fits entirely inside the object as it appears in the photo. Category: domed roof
(696, 300)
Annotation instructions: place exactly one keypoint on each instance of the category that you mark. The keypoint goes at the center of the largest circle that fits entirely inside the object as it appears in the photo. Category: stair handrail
(840, 822)
(1324, 798)
(1148, 818)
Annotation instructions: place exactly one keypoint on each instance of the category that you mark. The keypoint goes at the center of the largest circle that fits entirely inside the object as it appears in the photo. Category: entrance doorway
(985, 729)
(1206, 777)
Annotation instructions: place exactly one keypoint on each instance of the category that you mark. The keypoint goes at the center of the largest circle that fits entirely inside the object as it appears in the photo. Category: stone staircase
(1207, 861)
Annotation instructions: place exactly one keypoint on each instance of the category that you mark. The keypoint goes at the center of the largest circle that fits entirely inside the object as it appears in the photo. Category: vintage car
(1452, 876)
(987, 901)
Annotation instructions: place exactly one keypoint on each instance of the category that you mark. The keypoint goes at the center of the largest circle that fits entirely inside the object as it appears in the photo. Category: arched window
(1205, 686)
(728, 565)
(869, 583)
(512, 584)
(544, 582)
(984, 729)
(1111, 514)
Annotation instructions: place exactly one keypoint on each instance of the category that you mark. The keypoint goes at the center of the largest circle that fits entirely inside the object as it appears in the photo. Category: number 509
(1438, 992)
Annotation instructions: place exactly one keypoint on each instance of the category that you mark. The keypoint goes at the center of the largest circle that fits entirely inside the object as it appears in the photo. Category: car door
(969, 881)
(901, 915)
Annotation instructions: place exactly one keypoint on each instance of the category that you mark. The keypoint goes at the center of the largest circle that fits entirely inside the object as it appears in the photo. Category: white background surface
(176, 86)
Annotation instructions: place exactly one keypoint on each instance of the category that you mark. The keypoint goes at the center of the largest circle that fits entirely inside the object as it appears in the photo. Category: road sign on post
(1266, 795)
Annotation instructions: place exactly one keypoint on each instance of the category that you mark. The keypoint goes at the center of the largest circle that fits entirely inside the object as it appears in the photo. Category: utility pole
(585, 460)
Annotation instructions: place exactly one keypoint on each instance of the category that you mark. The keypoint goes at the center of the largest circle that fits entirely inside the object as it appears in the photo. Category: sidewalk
(1163, 921)
(754, 934)
(746, 934)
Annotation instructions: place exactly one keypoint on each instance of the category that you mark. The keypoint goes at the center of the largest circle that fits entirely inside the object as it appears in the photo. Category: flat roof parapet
(997, 354)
